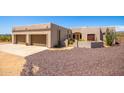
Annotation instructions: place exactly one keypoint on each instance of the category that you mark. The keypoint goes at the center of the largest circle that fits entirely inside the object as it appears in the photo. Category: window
(91, 37)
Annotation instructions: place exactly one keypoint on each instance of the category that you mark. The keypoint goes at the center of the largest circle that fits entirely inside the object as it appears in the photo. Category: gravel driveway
(77, 62)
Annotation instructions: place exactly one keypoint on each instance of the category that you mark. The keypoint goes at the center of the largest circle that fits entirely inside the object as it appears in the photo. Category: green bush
(5, 38)
(110, 37)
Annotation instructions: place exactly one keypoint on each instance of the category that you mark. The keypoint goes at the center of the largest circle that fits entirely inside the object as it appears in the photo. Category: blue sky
(7, 22)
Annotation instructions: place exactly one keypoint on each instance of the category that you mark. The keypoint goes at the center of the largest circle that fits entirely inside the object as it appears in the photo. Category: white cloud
(120, 28)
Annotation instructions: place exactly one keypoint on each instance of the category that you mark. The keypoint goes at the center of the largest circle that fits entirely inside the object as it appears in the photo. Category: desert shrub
(110, 37)
(5, 38)
(70, 41)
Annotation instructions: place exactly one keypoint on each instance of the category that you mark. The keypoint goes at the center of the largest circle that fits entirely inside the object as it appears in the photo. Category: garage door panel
(21, 39)
(38, 40)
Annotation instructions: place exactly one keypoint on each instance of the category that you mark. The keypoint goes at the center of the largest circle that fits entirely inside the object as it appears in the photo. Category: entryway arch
(77, 35)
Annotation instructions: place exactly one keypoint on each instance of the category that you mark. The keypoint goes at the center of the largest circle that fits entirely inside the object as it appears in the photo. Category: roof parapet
(32, 27)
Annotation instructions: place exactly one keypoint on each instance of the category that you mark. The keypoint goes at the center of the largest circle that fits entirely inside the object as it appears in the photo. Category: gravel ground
(77, 62)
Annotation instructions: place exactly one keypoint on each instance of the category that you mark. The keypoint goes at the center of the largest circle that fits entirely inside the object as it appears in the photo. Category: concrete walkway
(20, 49)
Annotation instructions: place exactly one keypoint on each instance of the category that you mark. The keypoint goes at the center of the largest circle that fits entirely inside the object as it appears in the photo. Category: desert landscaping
(77, 62)
(107, 61)
(31, 61)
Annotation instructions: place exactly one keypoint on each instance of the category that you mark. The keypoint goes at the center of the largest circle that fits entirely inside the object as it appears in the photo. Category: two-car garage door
(38, 40)
(34, 39)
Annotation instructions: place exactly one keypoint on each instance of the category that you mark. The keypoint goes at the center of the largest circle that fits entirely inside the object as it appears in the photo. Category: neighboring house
(50, 34)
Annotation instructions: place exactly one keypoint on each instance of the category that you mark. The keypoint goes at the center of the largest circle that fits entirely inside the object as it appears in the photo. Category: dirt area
(121, 39)
(77, 62)
(10, 65)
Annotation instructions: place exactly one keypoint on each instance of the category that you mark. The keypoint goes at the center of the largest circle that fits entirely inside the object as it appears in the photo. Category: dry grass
(120, 37)
(10, 65)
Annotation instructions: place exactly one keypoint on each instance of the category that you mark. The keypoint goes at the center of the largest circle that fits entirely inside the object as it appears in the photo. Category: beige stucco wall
(86, 31)
(93, 30)
(32, 27)
(54, 34)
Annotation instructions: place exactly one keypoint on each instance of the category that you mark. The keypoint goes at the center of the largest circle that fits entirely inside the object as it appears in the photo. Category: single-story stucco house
(50, 34)
(40, 34)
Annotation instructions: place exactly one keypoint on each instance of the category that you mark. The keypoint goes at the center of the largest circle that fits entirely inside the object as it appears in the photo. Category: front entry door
(77, 36)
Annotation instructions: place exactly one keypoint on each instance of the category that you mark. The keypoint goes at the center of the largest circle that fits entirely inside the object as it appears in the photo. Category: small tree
(110, 37)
